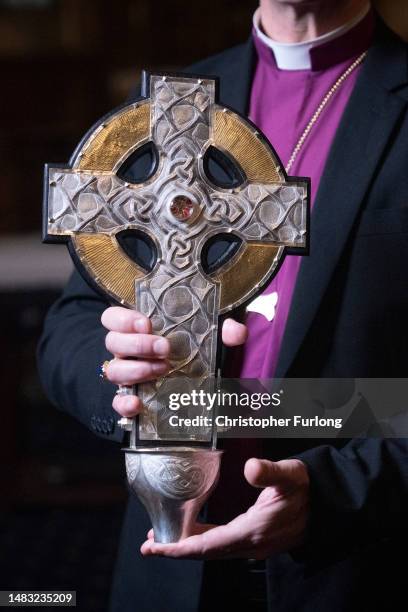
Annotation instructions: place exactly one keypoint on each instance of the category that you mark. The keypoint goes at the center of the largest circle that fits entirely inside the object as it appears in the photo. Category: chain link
(321, 107)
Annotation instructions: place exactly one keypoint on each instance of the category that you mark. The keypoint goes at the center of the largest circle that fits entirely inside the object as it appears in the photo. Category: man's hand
(140, 356)
(275, 523)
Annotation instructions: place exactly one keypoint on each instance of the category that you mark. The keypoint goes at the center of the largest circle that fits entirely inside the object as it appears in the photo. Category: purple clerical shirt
(281, 105)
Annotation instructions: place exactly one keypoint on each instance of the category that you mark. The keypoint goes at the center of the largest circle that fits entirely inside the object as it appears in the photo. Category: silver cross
(180, 209)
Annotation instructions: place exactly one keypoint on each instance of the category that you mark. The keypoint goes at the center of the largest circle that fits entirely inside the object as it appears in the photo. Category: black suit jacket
(347, 319)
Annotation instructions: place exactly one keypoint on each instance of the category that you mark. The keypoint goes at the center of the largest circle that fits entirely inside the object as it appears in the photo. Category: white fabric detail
(264, 305)
(296, 56)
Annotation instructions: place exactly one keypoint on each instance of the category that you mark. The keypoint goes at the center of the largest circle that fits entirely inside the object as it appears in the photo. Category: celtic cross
(180, 208)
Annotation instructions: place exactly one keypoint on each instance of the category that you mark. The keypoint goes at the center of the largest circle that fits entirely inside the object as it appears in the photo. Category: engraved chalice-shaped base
(173, 483)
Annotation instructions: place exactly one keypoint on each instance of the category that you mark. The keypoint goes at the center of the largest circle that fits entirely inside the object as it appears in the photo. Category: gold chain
(321, 107)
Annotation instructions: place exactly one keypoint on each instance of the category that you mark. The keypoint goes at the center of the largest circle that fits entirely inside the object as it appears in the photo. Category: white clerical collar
(296, 56)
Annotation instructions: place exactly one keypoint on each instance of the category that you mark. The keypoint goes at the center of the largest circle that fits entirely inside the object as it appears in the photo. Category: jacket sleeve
(359, 495)
(71, 349)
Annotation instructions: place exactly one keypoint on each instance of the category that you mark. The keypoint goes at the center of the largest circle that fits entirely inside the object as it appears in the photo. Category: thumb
(234, 333)
(281, 474)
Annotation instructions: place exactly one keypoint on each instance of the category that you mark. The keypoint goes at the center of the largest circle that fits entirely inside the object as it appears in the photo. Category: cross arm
(274, 213)
(92, 203)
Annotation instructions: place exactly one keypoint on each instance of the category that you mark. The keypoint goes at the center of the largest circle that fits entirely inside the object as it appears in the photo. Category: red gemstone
(182, 207)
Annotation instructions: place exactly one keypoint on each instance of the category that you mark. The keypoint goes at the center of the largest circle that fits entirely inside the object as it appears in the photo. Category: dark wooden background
(63, 65)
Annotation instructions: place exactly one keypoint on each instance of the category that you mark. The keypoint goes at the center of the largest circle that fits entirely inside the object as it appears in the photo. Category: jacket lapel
(363, 133)
(236, 75)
